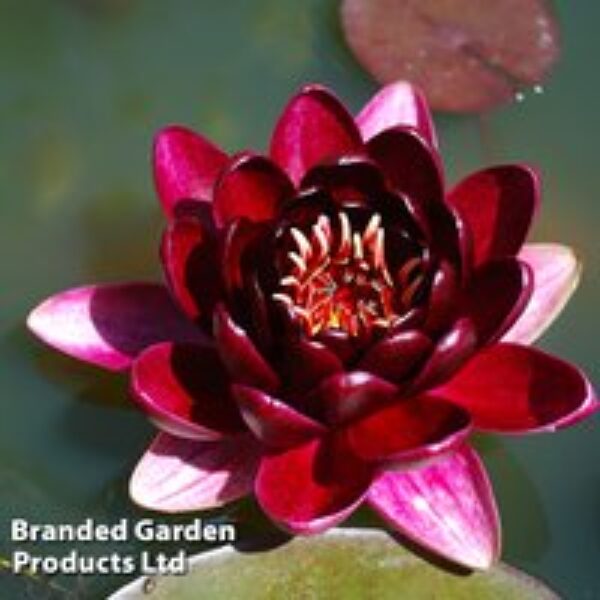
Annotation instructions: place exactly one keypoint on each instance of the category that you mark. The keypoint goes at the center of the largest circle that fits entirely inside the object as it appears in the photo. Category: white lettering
(20, 561)
(19, 530)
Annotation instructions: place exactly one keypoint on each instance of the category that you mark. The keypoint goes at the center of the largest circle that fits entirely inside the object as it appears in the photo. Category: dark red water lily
(334, 325)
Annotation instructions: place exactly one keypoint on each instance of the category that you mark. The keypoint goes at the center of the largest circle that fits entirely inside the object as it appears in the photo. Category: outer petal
(412, 429)
(446, 506)
(109, 325)
(178, 475)
(185, 389)
(515, 389)
(274, 422)
(556, 273)
(240, 355)
(314, 127)
(498, 205)
(397, 104)
(309, 488)
(252, 187)
(186, 166)
(190, 259)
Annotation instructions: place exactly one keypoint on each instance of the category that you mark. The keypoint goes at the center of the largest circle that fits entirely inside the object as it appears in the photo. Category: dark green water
(83, 86)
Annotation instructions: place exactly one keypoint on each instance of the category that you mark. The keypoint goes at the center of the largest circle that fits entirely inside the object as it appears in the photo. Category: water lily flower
(334, 325)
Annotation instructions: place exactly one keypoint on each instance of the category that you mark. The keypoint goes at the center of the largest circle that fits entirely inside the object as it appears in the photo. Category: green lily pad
(345, 563)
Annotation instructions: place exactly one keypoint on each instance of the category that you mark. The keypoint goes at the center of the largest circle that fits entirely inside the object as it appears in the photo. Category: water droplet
(519, 96)
(538, 89)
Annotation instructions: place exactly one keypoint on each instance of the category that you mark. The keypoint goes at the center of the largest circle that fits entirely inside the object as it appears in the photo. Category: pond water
(84, 85)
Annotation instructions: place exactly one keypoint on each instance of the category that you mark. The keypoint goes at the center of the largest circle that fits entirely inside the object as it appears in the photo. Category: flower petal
(446, 506)
(184, 388)
(189, 255)
(394, 357)
(350, 180)
(556, 273)
(511, 388)
(397, 104)
(444, 291)
(409, 164)
(309, 488)
(109, 325)
(341, 343)
(241, 238)
(498, 204)
(497, 295)
(452, 350)
(252, 187)
(178, 475)
(243, 361)
(414, 169)
(186, 166)
(306, 363)
(350, 395)
(314, 127)
(275, 423)
(410, 429)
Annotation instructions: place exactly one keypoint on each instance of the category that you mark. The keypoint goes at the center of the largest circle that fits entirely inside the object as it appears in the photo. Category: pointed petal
(178, 475)
(556, 273)
(497, 295)
(397, 104)
(314, 127)
(186, 166)
(498, 204)
(184, 388)
(275, 423)
(189, 255)
(109, 325)
(411, 429)
(252, 187)
(241, 357)
(446, 506)
(517, 389)
(309, 488)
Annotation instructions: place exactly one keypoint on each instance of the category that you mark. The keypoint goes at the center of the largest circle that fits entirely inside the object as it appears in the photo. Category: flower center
(342, 282)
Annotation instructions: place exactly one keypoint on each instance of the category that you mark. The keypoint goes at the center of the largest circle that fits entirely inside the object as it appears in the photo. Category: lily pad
(466, 55)
(344, 563)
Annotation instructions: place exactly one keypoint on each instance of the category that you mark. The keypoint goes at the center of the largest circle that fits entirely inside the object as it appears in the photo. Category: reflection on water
(83, 92)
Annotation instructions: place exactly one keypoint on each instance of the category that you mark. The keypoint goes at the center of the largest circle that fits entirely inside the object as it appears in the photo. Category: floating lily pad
(466, 55)
(344, 563)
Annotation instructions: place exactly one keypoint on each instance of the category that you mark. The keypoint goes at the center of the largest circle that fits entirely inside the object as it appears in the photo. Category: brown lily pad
(466, 55)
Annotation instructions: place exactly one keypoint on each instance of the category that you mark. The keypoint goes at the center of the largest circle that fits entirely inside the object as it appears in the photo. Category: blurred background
(84, 84)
